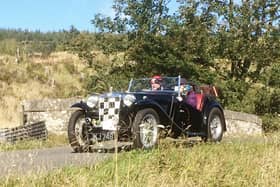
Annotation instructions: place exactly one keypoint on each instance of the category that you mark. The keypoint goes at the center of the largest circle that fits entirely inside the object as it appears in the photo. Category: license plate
(110, 124)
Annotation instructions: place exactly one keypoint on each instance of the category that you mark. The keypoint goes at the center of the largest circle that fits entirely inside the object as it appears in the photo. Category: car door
(189, 118)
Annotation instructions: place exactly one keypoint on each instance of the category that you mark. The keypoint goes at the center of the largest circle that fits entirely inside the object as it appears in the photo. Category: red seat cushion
(199, 103)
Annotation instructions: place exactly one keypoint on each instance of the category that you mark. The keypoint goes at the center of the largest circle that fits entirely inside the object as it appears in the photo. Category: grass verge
(234, 162)
(52, 141)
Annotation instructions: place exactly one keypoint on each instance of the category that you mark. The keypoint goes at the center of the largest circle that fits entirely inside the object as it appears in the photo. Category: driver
(156, 82)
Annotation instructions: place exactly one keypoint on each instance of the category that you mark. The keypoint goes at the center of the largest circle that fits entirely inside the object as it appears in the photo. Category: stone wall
(239, 123)
(56, 114)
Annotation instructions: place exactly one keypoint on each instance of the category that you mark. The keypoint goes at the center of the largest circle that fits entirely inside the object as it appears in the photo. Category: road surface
(40, 160)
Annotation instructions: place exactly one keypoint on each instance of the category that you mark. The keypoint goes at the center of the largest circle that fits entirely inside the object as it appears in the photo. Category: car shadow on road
(112, 147)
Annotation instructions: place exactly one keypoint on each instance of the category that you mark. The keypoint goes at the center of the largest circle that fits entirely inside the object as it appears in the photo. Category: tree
(143, 24)
(246, 36)
(201, 36)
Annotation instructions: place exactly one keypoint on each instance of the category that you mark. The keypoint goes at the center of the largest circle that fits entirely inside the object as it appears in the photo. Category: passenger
(156, 82)
(183, 83)
(190, 96)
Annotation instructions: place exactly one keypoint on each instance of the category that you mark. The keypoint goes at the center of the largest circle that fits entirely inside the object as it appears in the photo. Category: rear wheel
(77, 132)
(145, 129)
(215, 126)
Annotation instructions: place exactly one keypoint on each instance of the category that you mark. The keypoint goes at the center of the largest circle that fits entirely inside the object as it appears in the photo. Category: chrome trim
(130, 84)
(179, 81)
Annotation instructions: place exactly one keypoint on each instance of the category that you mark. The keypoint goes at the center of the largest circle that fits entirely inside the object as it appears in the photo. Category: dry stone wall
(239, 123)
(56, 114)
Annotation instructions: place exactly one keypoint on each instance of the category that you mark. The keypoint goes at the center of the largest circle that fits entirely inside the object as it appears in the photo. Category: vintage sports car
(145, 113)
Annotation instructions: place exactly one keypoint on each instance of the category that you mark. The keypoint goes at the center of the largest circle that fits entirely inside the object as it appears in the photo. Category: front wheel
(145, 129)
(77, 132)
(215, 125)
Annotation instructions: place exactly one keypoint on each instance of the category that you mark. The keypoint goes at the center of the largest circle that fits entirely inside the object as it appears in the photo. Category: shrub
(268, 101)
(271, 122)
(233, 93)
(274, 79)
(70, 68)
(275, 101)
(8, 46)
(36, 71)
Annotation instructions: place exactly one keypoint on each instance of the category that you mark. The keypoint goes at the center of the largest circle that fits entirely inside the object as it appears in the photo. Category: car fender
(152, 104)
(82, 105)
(208, 108)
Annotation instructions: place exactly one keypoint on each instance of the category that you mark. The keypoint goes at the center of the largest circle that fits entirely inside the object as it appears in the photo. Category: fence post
(22, 116)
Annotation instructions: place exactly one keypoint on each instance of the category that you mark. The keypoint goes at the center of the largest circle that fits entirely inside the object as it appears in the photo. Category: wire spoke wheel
(216, 127)
(145, 129)
(77, 132)
(148, 131)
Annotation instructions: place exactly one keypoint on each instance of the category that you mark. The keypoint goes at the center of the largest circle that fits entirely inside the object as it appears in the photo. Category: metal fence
(36, 130)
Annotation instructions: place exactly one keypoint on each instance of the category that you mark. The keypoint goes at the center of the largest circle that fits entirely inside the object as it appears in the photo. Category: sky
(54, 15)
(51, 15)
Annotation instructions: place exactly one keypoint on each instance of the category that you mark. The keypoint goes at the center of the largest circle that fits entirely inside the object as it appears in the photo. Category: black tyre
(215, 125)
(145, 129)
(77, 134)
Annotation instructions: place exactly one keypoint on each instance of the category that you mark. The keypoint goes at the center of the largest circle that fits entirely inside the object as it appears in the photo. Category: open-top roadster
(142, 115)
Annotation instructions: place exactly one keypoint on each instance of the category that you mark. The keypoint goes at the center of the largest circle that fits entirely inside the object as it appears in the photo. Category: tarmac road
(41, 160)
(24, 162)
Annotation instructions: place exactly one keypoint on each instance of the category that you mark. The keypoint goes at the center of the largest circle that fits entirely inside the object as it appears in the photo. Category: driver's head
(156, 82)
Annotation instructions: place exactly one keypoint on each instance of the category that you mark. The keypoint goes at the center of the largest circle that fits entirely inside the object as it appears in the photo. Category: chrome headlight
(129, 99)
(92, 101)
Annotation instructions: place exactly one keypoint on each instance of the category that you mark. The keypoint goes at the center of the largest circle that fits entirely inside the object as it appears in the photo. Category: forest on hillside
(232, 44)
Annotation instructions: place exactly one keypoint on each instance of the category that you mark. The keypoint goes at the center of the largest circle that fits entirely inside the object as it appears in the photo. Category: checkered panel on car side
(109, 108)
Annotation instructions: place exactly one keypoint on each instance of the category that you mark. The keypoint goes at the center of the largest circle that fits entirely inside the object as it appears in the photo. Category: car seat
(199, 99)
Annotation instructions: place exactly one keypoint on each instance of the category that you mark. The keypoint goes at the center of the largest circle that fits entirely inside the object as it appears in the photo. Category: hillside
(58, 76)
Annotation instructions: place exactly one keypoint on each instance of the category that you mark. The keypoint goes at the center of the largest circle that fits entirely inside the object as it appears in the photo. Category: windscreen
(146, 84)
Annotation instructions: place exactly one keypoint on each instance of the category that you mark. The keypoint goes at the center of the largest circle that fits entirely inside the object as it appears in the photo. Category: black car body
(142, 115)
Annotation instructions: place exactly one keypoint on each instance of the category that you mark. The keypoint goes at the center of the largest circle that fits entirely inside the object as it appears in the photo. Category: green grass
(234, 162)
(53, 140)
